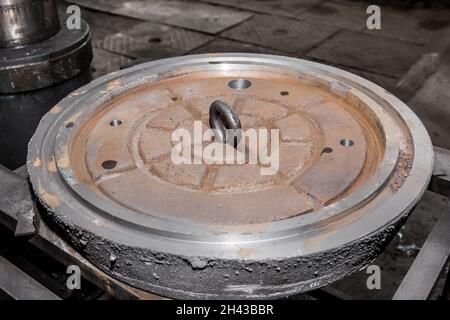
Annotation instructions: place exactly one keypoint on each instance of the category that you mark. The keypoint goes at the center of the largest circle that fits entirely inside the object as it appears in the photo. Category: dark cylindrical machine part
(20, 114)
(26, 21)
(41, 62)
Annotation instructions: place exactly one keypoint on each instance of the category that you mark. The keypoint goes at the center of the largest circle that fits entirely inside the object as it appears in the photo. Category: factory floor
(400, 56)
(409, 56)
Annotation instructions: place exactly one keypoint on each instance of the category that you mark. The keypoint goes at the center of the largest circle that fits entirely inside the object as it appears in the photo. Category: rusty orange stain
(63, 160)
(37, 163)
(56, 109)
(50, 199)
(246, 252)
(51, 166)
(113, 85)
(313, 243)
(102, 146)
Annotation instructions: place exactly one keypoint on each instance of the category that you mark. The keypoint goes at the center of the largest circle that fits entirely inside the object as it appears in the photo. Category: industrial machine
(41, 61)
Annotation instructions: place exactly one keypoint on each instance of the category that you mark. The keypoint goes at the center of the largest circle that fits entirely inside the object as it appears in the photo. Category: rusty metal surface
(232, 186)
(105, 62)
(329, 211)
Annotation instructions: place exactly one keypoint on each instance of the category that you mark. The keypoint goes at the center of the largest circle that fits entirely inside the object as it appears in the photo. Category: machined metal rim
(367, 216)
(25, 22)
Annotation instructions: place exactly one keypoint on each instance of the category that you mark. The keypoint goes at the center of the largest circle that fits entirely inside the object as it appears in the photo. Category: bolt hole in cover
(353, 162)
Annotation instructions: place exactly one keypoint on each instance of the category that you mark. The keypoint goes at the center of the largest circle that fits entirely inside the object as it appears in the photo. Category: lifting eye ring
(225, 123)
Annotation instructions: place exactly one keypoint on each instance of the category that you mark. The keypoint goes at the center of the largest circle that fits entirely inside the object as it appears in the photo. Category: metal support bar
(440, 181)
(16, 202)
(20, 286)
(429, 263)
(49, 242)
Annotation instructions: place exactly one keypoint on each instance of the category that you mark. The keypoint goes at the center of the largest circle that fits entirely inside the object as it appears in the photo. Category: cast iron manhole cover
(353, 161)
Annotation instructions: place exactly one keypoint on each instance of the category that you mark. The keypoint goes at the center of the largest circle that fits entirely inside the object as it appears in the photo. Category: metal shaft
(27, 21)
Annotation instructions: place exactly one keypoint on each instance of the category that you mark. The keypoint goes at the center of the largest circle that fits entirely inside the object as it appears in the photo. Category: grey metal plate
(286, 8)
(103, 24)
(224, 45)
(370, 53)
(191, 15)
(137, 39)
(350, 16)
(419, 26)
(105, 62)
(440, 182)
(280, 33)
(386, 82)
(152, 40)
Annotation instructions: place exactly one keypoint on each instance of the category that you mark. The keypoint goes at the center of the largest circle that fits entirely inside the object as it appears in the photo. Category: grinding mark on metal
(403, 169)
(51, 165)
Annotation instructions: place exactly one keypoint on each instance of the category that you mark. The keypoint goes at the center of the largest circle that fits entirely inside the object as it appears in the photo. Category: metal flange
(354, 160)
(45, 63)
(26, 21)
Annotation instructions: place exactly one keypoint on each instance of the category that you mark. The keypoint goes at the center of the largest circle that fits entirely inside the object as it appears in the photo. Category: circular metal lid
(353, 160)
